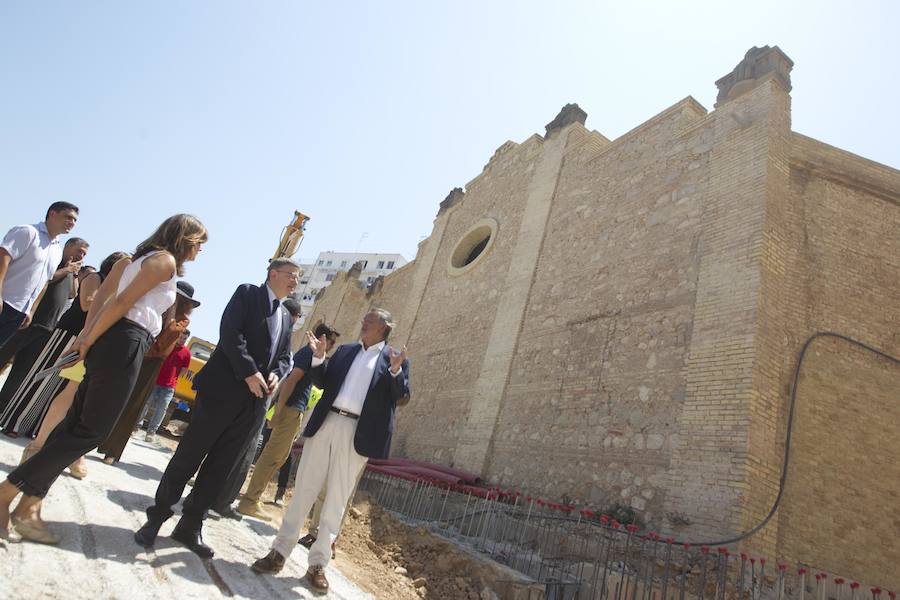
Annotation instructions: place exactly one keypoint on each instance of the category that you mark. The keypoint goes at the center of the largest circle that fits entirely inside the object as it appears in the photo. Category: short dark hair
(276, 264)
(292, 306)
(87, 268)
(60, 206)
(77, 240)
(326, 330)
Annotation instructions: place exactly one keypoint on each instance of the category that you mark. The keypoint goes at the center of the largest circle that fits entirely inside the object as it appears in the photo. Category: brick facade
(630, 334)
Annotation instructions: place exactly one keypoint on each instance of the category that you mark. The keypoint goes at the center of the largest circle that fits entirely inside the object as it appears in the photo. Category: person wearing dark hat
(155, 408)
(176, 323)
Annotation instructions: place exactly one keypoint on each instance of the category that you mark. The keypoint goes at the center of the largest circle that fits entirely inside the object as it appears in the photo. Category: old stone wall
(629, 333)
(596, 385)
(844, 277)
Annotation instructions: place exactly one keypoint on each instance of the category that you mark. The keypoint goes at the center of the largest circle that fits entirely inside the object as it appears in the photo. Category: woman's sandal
(32, 532)
(29, 451)
(78, 470)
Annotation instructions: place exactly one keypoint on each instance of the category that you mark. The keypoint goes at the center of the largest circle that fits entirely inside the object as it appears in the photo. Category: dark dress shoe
(315, 575)
(146, 535)
(194, 541)
(270, 563)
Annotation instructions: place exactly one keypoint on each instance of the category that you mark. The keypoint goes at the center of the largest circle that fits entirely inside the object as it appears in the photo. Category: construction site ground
(377, 556)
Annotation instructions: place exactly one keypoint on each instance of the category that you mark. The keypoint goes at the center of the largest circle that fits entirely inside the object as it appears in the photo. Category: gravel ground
(98, 558)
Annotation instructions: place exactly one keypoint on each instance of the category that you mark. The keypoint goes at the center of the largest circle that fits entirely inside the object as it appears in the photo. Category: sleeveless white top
(148, 310)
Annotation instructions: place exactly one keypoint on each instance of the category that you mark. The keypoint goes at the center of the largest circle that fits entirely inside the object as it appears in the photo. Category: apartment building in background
(321, 273)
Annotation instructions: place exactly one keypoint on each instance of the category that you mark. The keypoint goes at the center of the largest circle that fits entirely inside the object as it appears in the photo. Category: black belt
(343, 412)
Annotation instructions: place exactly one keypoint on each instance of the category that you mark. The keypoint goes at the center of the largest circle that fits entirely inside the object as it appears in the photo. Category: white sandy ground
(98, 558)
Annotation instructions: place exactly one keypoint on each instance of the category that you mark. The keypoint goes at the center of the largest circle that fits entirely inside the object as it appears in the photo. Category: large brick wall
(840, 509)
(629, 337)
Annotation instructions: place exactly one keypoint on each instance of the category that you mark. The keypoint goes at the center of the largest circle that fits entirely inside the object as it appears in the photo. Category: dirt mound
(395, 561)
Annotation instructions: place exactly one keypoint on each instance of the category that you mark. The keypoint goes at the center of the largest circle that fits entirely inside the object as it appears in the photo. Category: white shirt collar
(379, 346)
(42, 227)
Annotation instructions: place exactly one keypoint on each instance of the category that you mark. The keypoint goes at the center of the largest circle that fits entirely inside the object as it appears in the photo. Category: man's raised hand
(397, 358)
(317, 345)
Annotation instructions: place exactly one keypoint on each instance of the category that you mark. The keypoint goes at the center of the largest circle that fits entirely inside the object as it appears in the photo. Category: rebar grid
(580, 555)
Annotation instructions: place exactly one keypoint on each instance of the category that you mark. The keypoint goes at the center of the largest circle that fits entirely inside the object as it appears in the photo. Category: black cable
(787, 442)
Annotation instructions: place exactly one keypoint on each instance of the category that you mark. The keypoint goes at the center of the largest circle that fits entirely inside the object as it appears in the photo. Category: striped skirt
(28, 405)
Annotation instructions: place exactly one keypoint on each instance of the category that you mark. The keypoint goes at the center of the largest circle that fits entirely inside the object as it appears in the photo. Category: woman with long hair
(112, 347)
(28, 404)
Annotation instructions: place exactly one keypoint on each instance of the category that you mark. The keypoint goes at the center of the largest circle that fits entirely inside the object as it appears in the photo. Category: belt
(343, 412)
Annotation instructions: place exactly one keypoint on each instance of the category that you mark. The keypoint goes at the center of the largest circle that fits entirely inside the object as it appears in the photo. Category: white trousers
(328, 455)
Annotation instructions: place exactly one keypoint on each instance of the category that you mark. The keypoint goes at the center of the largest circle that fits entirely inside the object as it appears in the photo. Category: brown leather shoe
(270, 563)
(315, 575)
(307, 541)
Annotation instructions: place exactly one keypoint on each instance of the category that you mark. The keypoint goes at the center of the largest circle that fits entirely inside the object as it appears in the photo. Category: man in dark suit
(253, 354)
(353, 421)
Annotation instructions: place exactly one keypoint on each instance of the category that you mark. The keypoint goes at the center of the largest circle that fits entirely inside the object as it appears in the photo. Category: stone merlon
(758, 64)
(570, 113)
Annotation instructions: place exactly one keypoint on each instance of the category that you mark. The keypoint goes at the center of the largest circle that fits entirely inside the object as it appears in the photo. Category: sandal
(77, 469)
(35, 533)
(29, 451)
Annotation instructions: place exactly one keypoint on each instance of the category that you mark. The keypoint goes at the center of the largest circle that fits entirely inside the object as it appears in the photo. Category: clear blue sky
(364, 115)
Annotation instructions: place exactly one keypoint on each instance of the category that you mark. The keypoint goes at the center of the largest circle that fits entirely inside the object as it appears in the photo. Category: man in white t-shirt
(29, 256)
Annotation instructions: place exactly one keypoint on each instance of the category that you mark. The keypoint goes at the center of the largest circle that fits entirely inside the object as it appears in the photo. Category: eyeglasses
(292, 276)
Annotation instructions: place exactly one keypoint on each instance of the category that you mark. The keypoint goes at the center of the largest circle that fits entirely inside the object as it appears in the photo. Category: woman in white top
(112, 346)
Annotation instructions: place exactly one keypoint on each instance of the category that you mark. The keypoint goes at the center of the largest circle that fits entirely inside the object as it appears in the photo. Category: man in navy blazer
(253, 354)
(362, 385)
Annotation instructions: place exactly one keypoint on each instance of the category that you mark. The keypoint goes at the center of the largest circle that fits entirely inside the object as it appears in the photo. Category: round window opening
(473, 246)
(476, 251)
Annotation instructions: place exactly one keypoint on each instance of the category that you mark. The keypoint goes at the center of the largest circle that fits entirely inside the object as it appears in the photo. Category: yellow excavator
(201, 349)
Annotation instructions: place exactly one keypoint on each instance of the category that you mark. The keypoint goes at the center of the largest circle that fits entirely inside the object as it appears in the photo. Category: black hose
(787, 441)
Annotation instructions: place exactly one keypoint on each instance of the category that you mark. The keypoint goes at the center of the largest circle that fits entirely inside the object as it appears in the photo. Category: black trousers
(217, 436)
(10, 319)
(239, 470)
(110, 371)
(26, 346)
